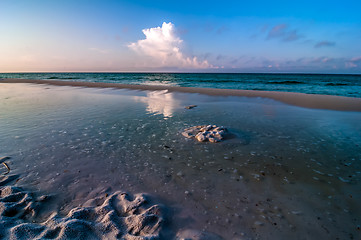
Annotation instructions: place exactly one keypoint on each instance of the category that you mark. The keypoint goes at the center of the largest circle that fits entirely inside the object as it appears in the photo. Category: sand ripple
(115, 216)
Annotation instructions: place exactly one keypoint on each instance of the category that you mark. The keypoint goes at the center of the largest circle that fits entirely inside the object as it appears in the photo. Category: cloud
(103, 51)
(282, 32)
(356, 59)
(222, 29)
(321, 64)
(353, 62)
(165, 48)
(350, 65)
(324, 44)
(160, 102)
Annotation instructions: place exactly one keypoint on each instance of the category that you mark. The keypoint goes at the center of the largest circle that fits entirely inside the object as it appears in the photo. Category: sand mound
(204, 133)
(116, 216)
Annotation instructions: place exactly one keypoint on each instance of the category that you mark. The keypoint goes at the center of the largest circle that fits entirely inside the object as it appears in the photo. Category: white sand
(297, 99)
(118, 215)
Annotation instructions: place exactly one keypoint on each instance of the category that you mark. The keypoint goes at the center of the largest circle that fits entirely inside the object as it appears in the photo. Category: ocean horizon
(348, 85)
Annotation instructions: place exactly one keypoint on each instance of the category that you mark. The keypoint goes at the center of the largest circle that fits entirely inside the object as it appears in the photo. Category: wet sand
(298, 99)
(286, 173)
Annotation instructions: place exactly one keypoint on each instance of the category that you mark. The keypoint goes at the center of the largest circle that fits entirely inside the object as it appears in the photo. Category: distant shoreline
(175, 72)
(315, 101)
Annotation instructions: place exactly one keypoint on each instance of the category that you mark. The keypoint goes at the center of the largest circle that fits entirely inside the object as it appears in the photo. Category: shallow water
(287, 173)
(330, 84)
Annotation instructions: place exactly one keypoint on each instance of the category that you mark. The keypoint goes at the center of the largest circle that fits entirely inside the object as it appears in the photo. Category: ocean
(326, 84)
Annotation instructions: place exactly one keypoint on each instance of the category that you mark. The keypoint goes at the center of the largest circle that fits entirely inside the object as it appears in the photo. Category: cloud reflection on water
(160, 102)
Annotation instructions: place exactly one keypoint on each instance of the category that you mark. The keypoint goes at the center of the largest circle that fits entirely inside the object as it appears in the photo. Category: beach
(298, 99)
(290, 167)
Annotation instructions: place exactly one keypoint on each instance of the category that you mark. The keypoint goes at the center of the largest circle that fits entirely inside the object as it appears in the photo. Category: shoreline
(314, 101)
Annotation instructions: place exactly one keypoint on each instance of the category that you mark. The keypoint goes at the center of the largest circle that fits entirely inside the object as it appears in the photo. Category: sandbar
(314, 101)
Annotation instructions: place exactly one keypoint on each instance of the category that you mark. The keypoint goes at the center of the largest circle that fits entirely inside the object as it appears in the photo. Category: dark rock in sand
(190, 106)
(2, 161)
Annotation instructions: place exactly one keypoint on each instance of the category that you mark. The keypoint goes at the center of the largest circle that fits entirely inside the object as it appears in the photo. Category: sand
(288, 173)
(298, 99)
(114, 216)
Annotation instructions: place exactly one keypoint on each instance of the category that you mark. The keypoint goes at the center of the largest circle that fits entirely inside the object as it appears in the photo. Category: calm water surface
(288, 172)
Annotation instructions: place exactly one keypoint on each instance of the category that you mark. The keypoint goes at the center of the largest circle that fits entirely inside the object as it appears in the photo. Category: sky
(180, 36)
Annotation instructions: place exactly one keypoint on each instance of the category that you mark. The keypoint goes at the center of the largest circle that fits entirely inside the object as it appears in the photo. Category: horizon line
(174, 72)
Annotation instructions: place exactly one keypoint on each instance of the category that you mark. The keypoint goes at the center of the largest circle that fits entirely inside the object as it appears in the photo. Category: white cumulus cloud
(165, 48)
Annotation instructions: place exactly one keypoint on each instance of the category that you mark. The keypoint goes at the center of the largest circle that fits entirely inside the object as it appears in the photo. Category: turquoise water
(341, 85)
